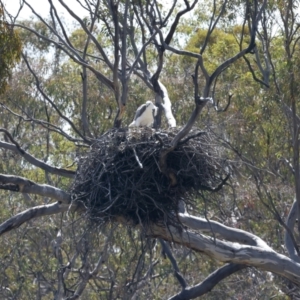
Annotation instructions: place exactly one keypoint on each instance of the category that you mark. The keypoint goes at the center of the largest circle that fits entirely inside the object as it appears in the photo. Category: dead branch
(213, 23)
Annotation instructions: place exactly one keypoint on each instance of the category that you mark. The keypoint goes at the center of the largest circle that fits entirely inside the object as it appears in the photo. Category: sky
(42, 7)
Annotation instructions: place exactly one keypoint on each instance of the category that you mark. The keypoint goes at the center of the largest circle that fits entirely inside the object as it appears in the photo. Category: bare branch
(177, 18)
(200, 103)
(38, 85)
(67, 44)
(138, 54)
(213, 24)
(182, 52)
(208, 283)
(86, 275)
(226, 107)
(263, 258)
(228, 233)
(173, 261)
(272, 208)
(23, 185)
(250, 47)
(121, 107)
(253, 73)
(84, 119)
(124, 77)
(188, 126)
(94, 39)
(103, 257)
(31, 213)
(75, 58)
(288, 241)
(144, 280)
(60, 24)
(15, 147)
(43, 123)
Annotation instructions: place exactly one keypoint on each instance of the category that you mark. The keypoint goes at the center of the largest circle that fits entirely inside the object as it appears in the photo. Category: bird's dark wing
(140, 111)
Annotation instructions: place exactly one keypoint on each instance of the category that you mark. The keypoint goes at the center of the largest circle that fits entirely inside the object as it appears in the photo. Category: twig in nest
(191, 137)
(111, 185)
(159, 139)
(137, 158)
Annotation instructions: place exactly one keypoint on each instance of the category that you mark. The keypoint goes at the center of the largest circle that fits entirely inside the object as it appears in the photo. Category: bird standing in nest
(144, 115)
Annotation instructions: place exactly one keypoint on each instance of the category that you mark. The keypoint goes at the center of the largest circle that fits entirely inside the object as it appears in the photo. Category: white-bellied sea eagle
(144, 115)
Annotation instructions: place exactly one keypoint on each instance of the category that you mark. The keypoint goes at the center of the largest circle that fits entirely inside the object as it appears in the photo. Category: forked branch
(265, 259)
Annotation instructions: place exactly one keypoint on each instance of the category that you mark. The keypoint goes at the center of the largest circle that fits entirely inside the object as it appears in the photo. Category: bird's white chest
(146, 119)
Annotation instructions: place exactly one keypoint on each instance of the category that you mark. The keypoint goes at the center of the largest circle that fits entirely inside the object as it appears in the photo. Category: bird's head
(150, 105)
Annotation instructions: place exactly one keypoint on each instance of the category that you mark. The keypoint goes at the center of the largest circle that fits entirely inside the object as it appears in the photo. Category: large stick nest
(121, 175)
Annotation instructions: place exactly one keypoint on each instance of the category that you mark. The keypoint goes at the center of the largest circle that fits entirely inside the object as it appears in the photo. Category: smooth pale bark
(31, 213)
(228, 233)
(23, 185)
(262, 258)
(291, 220)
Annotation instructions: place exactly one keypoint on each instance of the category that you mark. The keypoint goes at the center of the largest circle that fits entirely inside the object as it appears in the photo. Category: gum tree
(116, 45)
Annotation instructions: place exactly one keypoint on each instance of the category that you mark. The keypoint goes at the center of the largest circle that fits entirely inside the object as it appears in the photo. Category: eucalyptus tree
(10, 50)
(117, 49)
